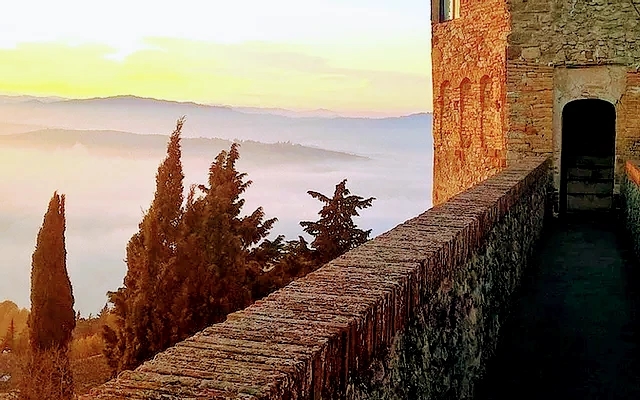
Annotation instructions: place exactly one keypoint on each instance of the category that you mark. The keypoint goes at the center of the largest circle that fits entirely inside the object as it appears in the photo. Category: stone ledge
(304, 340)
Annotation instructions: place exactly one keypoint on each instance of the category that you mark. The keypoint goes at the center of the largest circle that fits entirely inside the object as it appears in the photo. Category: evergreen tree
(336, 233)
(203, 254)
(215, 251)
(283, 262)
(9, 337)
(144, 321)
(52, 319)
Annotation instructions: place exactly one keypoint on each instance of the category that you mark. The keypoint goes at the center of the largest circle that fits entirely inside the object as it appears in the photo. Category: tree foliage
(217, 263)
(7, 342)
(335, 232)
(41, 374)
(144, 328)
(52, 319)
(200, 253)
(195, 260)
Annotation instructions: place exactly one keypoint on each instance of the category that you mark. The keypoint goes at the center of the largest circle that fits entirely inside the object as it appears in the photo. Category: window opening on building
(449, 9)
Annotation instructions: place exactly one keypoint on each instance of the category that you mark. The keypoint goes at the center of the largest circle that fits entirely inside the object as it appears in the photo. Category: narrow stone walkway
(574, 332)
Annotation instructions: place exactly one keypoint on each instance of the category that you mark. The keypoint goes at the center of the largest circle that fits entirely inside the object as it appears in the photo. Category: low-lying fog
(107, 193)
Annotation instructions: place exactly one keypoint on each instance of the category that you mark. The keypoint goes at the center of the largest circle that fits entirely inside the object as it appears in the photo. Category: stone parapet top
(304, 340)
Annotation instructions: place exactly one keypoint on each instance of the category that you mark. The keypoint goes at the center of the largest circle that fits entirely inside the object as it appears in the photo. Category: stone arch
(465, 113)
(606, 83)
(588, 155)
(486, 96)
(444, 102)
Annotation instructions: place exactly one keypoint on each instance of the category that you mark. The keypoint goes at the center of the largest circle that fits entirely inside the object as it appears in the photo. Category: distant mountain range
(26, 98)
(316, 113)
(319, 113)
(151, 116)
(136, 145)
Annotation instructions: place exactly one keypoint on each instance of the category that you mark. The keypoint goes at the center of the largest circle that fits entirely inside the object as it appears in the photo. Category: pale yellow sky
(351, 56)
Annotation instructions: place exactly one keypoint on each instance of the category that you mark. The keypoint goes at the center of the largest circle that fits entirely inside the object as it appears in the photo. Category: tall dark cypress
(52, 319)
(145, 325)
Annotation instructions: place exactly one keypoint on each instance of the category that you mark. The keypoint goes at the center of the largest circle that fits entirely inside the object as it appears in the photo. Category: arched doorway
(588, 156)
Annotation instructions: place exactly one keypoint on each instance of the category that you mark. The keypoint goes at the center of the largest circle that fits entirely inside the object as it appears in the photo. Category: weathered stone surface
(584, 50)
(443, 350)
(469, 73)
(412, 313)
(535, 57)
(569, 32)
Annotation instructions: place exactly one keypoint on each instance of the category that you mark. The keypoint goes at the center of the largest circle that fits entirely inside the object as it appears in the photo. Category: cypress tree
(52, 319)
(9, 337)
(144, 320)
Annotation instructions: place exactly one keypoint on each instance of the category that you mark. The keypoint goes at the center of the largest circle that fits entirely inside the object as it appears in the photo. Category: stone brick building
(513, 78)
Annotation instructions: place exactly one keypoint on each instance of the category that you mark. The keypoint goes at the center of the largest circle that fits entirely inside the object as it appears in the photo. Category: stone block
(531, 53)
(588, 202)
(590, 187)
(594, 161)
(579, 173)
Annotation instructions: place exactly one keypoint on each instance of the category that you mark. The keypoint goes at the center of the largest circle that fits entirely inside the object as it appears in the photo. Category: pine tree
(336, 233)
(144, 320)
(283, 262)
(11, 335)
(9, 338)
(52, 319)
(215, 250)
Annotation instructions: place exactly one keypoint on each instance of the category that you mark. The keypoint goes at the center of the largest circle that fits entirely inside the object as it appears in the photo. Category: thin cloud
(252, 74)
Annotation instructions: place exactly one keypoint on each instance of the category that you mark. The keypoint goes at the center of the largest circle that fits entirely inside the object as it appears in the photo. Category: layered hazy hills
(151, 116)
(13, 128)
(119, 143)
(25, 98)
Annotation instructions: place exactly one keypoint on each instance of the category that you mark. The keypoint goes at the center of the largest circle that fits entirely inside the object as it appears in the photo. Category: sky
(349, 56)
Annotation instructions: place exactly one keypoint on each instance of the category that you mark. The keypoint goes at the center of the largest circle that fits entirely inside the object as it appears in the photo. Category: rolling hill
(135, 145)
(151, 116)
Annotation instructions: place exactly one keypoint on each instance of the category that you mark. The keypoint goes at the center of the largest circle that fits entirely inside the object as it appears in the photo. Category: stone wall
(469, 72)
(536, 99)
(564, 50)
(444, 349)
(628, 124)
(630, 193)
(413, 313)
(574, 32)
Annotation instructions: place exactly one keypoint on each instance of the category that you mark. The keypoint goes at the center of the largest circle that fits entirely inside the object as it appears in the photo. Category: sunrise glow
(348, 56)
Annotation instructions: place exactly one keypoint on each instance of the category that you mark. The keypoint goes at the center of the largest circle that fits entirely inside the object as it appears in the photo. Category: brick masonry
(469, 72)
(545, 54)
(412, 313)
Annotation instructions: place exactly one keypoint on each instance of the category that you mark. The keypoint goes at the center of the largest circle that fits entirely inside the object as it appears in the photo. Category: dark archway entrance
(587, 159)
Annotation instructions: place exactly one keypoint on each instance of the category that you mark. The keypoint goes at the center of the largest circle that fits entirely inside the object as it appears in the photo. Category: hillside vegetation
(116, 143)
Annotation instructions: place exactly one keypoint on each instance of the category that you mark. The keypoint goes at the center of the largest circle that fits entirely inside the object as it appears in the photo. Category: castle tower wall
(469, 87)
(535, 56)
(562, 51)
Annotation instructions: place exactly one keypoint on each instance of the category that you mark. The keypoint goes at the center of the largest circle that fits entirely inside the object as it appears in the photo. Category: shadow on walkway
(574, 331)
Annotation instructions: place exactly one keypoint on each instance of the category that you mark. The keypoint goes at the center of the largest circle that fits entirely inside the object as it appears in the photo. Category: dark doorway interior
(587, 159)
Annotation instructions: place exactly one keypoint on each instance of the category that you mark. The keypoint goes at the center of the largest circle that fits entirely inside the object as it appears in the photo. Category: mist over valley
(103, 155)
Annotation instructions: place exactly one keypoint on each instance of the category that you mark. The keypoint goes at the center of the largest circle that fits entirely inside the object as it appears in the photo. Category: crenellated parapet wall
(414, 313)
